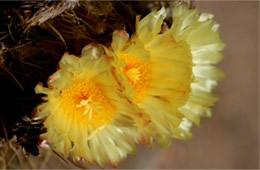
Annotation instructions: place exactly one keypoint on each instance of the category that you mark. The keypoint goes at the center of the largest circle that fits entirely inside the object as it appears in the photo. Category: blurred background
(230, 138)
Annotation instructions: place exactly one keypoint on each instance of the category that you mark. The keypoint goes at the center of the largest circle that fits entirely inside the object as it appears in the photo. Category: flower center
(138, 75)
(87, 103)
(133, 74)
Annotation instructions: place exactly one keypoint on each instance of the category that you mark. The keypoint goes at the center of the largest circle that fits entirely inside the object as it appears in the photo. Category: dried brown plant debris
(49, 10)
(35, 34)
(28, 134)
(12, 156)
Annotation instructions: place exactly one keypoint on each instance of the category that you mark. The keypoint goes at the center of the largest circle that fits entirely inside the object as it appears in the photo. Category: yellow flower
(86, 114)
(168, 72)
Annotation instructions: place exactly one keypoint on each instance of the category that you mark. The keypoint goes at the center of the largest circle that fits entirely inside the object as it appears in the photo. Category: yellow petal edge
(86, 114)
(169, 72)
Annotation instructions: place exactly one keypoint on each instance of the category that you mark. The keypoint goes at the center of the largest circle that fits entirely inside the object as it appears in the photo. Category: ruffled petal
(87, 116)
(180, 74)
(150, 25)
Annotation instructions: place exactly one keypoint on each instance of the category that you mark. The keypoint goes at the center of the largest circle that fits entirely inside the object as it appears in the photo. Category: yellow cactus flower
(169, 72)
(86, 114)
